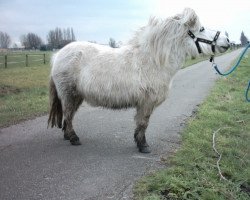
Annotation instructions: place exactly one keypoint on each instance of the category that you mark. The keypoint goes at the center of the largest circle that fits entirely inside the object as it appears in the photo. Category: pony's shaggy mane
(161, 37)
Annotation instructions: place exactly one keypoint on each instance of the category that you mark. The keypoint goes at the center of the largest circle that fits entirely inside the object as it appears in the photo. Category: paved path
(36, 163)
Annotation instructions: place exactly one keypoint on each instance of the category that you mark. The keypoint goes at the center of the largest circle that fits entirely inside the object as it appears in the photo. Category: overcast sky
(99, 20)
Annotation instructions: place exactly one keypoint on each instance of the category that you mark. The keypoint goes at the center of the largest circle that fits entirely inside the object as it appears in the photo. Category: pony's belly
(108, 102)
(114, 95)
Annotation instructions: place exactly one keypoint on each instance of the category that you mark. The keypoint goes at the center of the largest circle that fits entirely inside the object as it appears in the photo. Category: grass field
(192, 173)
(194, 61)
(23, 91)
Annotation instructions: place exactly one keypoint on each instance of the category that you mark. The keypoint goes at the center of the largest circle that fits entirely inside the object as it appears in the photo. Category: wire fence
(23, 59)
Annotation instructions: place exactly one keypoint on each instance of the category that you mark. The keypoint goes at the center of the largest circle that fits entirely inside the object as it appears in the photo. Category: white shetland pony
(136, 75)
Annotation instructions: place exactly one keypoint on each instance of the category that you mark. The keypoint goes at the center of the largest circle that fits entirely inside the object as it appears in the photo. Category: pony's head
(171, 39)
(199, 39)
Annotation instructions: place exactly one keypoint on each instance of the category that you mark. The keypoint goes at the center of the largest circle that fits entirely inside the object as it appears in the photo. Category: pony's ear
(189, 17)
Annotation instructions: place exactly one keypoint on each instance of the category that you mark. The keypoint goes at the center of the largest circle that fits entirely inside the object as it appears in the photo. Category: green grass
(26, 104)
(23, 92)
(192, 61)
(192, 171)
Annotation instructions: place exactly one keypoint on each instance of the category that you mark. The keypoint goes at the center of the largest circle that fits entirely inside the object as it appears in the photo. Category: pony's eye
(202, 29)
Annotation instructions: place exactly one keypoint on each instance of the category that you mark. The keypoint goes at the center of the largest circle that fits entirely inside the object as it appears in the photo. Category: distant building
(17, 46)
(3, 50)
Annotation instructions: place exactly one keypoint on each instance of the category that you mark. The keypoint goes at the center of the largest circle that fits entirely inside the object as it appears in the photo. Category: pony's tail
(56, 113)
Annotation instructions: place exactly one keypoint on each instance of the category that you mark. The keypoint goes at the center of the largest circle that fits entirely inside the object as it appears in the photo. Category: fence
(25, 59)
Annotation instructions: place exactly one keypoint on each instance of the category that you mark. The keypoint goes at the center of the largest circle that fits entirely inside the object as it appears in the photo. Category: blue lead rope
(233, 68)
(247, 90)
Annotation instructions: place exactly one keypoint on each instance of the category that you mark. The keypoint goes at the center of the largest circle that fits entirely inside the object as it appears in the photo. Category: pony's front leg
(142, 119)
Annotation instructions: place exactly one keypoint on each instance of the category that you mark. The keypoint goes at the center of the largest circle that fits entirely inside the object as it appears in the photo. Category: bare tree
(112, 43)
(31, 41)
(51, 37)
(73, 38)
(34, 40)
(68, 34)
(243, 39)
(55, 38)
(4, 40)
(58, 38)
(64, 34)
(23, 40)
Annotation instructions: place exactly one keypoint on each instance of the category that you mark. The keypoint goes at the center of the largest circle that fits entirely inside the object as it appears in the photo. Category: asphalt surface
(36, 163)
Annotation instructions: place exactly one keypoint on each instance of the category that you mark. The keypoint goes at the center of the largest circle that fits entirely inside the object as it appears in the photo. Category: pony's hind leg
(70, 106)
(142, 118)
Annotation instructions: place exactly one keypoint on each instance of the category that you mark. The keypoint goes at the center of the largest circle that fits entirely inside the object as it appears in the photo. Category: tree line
(59, 37)
(4, 40)
(56, 39)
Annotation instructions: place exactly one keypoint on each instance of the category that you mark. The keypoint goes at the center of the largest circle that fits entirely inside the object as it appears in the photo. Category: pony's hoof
(74, 140)
(144, 149)
(66, 137)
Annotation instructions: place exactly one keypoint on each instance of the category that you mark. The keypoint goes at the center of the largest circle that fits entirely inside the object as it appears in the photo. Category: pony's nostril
(228, 40)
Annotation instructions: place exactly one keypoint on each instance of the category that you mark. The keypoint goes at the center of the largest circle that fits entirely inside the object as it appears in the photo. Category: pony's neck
(162, 41)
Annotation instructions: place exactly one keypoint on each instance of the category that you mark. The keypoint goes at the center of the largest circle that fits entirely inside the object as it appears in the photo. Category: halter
(212, 43)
